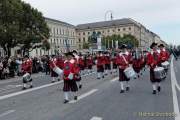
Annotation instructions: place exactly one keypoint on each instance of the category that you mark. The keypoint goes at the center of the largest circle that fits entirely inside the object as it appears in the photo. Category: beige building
(117, 27)
(62, 37)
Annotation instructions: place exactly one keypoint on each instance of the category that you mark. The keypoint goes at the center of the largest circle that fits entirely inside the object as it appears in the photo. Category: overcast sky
(160, 16)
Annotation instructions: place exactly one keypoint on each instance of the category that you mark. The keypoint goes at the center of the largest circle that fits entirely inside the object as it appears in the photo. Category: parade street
(97, 100)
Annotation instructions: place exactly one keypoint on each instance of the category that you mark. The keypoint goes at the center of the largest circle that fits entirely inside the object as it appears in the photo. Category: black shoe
(52, 81)
(98, 78)
(127, 88)
(66, 101)
(122, 91)
(24, 88)
(154, 92)
(75, 97)
(59, 79)
(31, 86)
(80, 86)
(103, 76)
(159, 89)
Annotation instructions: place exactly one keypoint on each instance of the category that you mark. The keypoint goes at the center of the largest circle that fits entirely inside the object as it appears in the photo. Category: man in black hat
(123, 61)
(69, 77)
(153, 60)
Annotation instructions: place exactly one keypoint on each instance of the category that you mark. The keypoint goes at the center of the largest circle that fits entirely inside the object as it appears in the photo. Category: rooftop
(117, 22)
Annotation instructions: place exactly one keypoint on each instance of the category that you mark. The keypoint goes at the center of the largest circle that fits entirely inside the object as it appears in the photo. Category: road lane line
(115, 79)
(29, 90)
(84, 95)
(96, 118)
(173, 85)
(7, 113)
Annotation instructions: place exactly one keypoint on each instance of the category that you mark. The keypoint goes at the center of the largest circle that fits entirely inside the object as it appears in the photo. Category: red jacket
(53, 63)
(107, 60)
(27, 66)
(121, 62)
(60, 63)
(164, 55)
(68, 68)
(76, 66)
(153, 59)
(89, 61)
(100, 60)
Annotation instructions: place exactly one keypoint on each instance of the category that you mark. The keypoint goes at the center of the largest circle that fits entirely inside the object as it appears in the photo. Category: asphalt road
(98, 99)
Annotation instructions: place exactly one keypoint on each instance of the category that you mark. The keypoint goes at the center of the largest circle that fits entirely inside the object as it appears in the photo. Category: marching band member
(164, 54)
(107, 63)
(137, 62)
(89, 63)
(123, 61)
(27, 69)
(69, 77)
(81, 63)
(60, 64)
(53, 63)
(77, 68)
(100, 65)
(153, 60)
(114, 63)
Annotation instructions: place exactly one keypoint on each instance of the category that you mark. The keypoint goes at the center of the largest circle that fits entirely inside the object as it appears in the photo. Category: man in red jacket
(153, 60)
(69, 73)
(107, 63)
(100, 64)
(123, 60)
(27, 71)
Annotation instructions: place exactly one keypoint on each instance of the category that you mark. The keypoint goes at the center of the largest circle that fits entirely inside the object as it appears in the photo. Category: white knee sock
(66, 95)
(122, 85)
(154, 86)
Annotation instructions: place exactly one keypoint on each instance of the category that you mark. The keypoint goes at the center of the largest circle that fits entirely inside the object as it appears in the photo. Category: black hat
(69, 54)
(161, 45)
(74, 51)
(26, 56)
(123, 46)
(153, 44)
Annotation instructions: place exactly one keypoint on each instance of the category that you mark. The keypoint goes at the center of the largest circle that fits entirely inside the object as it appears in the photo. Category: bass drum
(165, 64)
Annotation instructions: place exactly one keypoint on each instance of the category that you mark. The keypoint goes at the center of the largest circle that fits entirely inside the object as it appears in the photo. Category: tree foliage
(21, 25)
(130, 40)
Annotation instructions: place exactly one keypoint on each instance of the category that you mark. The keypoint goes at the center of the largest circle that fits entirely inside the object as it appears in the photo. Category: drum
(57, 70)
(129, 72)
(26, 77)
(165, 64)
(159, 73)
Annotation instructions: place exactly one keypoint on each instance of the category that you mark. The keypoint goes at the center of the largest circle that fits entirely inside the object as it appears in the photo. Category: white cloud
(151, 13)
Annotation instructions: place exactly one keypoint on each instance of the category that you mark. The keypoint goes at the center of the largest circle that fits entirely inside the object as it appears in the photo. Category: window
(83, 33)
(124, 29)
(113, 30)
(79, 33)
(119, 29)
(57, 31)
(60, 31)
(129, 28)
(79, 39)
(84, 39)
(108, 31)
(88, 33)
(54, 41)
(57, 41)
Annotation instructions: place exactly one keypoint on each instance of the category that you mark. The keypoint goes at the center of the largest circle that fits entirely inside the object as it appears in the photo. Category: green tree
(86, 45)
(21, 25)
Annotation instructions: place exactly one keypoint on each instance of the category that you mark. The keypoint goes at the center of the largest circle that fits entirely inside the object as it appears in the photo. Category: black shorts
(107, 66)
(100, 68)
(70, 85)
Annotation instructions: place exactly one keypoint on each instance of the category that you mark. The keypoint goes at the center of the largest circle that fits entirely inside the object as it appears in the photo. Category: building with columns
(118, 27)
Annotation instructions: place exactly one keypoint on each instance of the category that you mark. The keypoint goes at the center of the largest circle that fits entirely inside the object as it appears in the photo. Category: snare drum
(159, 73)
(165, 64)
(129, 72)
(26, 77)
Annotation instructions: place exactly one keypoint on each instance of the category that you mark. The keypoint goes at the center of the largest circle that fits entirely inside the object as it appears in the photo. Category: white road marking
(84, 95)
(173, 85)
(6, 113)
(29, 90)
(96, 118)
(115, 79)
